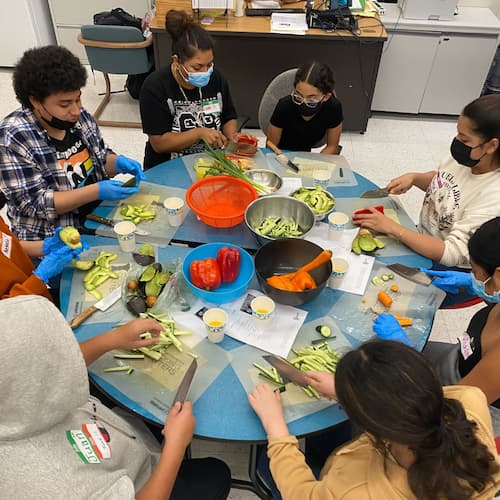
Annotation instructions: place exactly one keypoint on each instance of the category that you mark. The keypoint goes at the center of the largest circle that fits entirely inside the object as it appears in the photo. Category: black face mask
(306, 110)
(57, 122)
(461, 153)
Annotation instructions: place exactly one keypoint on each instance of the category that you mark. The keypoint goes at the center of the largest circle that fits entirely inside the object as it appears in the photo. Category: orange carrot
(303, 281)
(384, 298)
(394, 288)
(403, 321)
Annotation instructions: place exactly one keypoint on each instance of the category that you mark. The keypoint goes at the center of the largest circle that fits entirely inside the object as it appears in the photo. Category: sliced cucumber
(324, 330)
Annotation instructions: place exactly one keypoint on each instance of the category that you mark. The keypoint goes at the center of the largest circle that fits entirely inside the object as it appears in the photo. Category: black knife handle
(101, 220)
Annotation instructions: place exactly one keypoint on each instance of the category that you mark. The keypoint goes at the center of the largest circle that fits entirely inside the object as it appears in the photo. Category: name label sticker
(465, 346)
(6, 244)
(82, 446)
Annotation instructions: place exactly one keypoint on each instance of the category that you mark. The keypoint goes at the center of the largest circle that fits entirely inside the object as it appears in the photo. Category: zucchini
(324, 330)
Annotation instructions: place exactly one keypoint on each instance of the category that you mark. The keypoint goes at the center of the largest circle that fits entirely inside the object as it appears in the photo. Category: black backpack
(117, 17)
(120, 17)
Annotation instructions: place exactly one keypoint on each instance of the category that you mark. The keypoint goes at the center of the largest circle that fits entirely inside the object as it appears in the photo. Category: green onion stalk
(227, 167)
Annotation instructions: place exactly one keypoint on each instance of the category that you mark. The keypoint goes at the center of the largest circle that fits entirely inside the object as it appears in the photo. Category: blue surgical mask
(479, 289)
(199, 79)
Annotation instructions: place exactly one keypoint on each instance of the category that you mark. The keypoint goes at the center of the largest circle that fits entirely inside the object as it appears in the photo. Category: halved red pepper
(205, 274)
(229, 259)
(380, 208)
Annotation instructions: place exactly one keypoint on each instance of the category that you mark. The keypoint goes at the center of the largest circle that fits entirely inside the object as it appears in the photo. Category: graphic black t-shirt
(301, 135)
(73, 157)
(166, 107)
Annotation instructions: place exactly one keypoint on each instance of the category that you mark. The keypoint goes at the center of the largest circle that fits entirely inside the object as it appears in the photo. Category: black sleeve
(334, 116)
(156, 116)
(278, 118)
(228, 109)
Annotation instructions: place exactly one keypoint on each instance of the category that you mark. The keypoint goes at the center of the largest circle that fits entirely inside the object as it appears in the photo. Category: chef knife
(102, 305)
(376, 193)
(186, 382)
(411, 273)
(282, 158)
(111, 223)
(287, 371)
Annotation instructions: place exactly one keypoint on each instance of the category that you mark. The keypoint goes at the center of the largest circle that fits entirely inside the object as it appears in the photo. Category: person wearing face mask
(459, 196)
(300, 120)
(55, 163)
(474, 359)
(188, 102)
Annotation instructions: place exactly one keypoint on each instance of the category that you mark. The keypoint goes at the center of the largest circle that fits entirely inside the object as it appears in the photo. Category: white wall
(494, 5)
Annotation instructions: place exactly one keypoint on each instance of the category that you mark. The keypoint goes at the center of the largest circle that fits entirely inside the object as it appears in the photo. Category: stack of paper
(294, 24)
(265, 4)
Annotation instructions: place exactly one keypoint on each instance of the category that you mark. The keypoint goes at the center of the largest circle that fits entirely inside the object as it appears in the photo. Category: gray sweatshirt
(44, 392)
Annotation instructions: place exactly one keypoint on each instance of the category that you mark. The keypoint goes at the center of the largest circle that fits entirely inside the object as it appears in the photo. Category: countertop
(474, 20)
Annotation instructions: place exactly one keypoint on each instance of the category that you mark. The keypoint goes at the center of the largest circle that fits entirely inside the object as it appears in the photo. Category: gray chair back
(123, 61)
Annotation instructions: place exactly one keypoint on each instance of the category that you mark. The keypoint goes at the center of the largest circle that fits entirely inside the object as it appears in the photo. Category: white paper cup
(175, 210)
(339, 267)
(125, 232)
(215, 320)
(262, 308)
(337, 222)
(321, 177)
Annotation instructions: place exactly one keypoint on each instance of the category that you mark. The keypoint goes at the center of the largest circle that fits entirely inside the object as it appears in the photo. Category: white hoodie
(44, 392)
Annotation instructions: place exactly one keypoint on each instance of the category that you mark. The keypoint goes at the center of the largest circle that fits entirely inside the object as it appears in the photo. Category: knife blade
(376, 193)
(185, 384)
(102, 305)
(110, 222)
(411, 274)
(282, 158)
(287, 371)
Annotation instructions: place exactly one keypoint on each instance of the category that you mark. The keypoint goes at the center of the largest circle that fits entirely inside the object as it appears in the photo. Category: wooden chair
(115, 50)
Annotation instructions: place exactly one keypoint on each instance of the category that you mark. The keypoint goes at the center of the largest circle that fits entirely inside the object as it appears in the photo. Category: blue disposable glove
(53, 263)
(53, 243)
(450, 281)
(114, 190)
(387, 327)
(126, 165)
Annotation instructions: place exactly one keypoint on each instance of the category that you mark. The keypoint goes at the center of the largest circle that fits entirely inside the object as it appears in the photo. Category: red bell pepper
(380, 208)
(229, 263)
(205, 274)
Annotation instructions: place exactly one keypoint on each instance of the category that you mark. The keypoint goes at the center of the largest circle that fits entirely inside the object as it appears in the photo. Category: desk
(250, 56)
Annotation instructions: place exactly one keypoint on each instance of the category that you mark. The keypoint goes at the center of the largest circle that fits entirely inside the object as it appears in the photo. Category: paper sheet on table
(275, 335)
(360, 266)
(265, 4)
(296, 403)
(294, 24)
(290, 184)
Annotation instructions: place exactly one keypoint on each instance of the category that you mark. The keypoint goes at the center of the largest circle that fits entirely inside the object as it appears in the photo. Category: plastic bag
(173, 296)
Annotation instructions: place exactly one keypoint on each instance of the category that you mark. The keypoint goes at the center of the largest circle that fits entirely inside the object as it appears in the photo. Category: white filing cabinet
(435, 67)
(69, 15)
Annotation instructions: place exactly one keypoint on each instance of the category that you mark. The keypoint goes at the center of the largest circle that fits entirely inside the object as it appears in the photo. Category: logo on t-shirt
(73, 157)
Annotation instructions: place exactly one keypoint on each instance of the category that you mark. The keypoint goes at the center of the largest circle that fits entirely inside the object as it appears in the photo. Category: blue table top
(222, 411)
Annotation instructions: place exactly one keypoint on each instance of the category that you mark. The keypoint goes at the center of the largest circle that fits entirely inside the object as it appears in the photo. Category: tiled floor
(392, 145)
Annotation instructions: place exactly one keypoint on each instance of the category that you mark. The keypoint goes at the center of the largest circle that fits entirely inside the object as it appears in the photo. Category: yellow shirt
(358, 471)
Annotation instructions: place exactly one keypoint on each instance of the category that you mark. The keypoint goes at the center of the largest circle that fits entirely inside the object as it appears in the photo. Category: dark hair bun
(177, 22)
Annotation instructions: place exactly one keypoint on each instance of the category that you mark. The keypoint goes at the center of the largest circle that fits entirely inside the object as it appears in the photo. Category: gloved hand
(450, 281)
(53, 263)
(53, 243)
(114, 190)
(126, 165)
(386, 327)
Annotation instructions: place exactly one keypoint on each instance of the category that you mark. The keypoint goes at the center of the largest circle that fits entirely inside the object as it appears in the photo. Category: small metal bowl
(266, 178)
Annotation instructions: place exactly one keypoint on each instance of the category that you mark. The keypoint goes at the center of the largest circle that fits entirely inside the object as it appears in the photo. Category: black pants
(202, 479)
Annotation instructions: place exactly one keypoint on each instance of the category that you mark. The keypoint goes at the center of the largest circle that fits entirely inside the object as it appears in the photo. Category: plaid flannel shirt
(30, 174)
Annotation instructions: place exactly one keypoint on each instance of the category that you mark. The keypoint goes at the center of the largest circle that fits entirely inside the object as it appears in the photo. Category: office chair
(117, 50)
(279, 87)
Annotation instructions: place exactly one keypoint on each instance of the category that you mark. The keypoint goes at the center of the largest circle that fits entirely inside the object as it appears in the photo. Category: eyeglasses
(310, 103)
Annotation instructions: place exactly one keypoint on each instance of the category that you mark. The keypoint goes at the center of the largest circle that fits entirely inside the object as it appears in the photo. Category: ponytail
(451, 462)
(187, 35)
